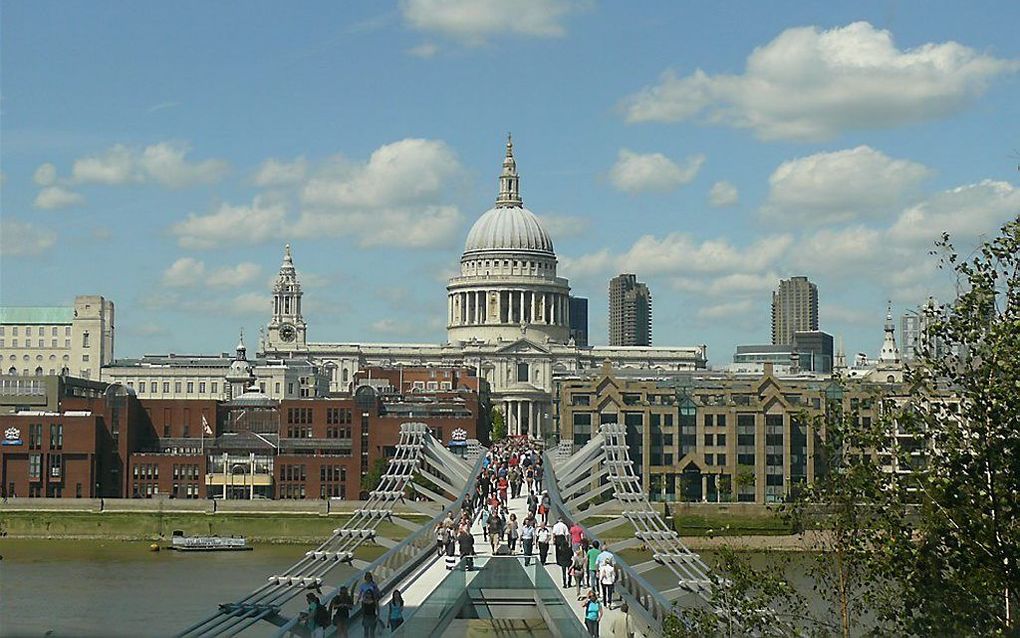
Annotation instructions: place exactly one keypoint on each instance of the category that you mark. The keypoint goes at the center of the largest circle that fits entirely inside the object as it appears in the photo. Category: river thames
(120, 588)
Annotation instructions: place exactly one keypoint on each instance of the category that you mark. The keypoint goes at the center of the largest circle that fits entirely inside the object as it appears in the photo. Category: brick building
(710, 436)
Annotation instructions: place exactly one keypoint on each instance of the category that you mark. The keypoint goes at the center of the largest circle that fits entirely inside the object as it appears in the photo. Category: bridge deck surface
(427, 579)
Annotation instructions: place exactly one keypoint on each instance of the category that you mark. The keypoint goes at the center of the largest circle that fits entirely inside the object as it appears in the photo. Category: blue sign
(12, 436)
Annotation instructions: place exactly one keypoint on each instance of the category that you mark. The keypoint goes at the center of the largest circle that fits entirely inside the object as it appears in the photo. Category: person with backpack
(607, 578)
(563, 558)
(592, 613)
(396, 614)
(577, 564)
(341, 607)
(317, 616)
(368, 596)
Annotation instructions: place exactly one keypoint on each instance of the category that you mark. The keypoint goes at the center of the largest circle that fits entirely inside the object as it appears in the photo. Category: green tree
(961, 573)
(744, 477)
(370, 480)
(498, 425)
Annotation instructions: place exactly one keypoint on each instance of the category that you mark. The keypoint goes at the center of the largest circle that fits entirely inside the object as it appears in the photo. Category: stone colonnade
(471, 308)
(523, 416)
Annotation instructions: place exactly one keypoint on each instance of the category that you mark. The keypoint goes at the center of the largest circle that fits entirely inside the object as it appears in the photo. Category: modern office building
(579, 321)
(74, 340)
(794, 309)
(630, 312)
(914, 324)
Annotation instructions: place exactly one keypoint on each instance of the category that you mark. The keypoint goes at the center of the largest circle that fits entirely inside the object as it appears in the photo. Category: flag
(205, 426)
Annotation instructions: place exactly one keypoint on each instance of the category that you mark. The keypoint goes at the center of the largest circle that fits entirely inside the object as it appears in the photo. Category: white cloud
(22, 239)
(250, 303)
(274, 172)
(234, 276)
(841, 186)
(53, 197)
(809, 84)
(681, 253)
(723, 194)
(424, 50)
(261, 221)
(404, 172)
(964, 212)
(115, 166)
(474, 21)
(428, 227)
(851, 251)
(164, 163)
(393, 199)
(726, 310)
(563, 226)
(45, 175)
(186, 272)
(652, 172)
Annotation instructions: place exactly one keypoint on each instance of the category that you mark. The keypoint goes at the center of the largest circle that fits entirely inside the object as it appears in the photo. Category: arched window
(13, 371)
(38, 371)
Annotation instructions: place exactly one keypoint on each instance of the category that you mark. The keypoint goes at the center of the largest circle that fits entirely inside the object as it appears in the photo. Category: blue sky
(161, 155)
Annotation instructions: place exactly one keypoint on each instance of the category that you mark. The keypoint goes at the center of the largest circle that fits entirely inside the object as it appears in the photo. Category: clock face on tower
(287, 332)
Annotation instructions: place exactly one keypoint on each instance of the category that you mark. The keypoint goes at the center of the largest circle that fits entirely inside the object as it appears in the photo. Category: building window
(522, 373)
(28, 331)
(201, 387)
(166, 387)
(85, 339)
(215, 387)
(35, 466)
(56, 436)
(67, 343)
(177, 387)
(191, 387)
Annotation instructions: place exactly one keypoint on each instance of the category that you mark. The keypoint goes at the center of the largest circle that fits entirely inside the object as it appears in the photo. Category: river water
(118, 588)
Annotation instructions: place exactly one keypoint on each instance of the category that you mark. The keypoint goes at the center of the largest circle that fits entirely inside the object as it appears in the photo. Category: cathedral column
(520, 316)
(518, 417)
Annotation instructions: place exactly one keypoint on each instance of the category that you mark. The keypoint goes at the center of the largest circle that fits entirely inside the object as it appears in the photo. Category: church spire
(890, 353)
(509, 181)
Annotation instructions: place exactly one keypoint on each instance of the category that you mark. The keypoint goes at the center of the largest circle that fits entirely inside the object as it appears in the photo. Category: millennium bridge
(595, 483)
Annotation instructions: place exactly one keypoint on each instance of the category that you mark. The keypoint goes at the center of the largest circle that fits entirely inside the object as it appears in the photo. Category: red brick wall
(67, 467)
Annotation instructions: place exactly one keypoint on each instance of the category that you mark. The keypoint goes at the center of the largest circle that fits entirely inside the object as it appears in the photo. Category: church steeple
(287, 327)
(509, 181)
(890, 353)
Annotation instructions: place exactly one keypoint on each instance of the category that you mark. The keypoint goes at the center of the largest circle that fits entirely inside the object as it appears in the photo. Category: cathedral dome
(508, 229)
(509, 226)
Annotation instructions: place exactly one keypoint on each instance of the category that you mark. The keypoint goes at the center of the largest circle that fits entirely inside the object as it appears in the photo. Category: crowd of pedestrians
(511, 469)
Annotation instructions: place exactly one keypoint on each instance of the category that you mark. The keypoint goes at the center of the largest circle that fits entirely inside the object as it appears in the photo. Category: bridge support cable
(417, 452)
(598, 480)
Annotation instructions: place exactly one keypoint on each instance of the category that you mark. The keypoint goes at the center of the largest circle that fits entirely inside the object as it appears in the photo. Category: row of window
(179, 386)
(146, 471)
(185, 471)
(39, 330)
(35, 466)
(41, 343)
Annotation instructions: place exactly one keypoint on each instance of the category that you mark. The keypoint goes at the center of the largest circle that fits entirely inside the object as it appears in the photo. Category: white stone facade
(75, 340)
(507, 315)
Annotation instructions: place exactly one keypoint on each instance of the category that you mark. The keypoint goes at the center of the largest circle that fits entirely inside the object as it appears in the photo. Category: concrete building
(72, 340)
(508, 316)
(579, 321)
(630, 312)
(914, 324)
(218, 377)
(794, 309)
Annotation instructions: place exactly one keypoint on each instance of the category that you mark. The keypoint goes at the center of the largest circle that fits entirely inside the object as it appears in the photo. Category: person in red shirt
(502, 485)
(576, 534)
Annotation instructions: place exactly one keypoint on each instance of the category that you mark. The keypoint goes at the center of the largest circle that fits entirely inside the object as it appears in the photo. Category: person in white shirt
(607, 578)
(561, 529)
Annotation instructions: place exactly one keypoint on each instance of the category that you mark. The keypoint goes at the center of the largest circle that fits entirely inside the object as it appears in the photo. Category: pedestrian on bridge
(341, 610)
(577, 565)
(368, 596)
(543, 536)
(396, 614)
(512, 532)
(593, 557)
(592, 613)
(528, 538)
(607, 578)
(563, 558)
(467, 547)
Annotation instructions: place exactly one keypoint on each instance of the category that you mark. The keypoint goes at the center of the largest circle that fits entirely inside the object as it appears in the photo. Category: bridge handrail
(266, 601)
(424, 551)
(644, 600)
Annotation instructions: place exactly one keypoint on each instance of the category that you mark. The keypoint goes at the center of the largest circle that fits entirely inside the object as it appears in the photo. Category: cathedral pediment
(523, 346)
